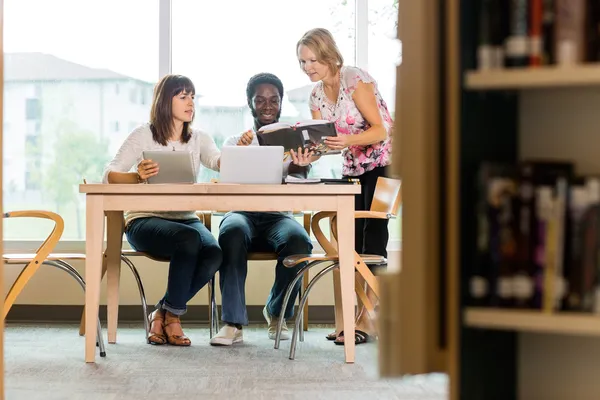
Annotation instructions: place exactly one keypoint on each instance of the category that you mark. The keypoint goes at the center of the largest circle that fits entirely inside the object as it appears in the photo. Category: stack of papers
(293, 179)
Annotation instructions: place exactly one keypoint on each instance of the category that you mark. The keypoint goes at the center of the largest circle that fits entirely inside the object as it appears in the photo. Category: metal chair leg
(297, 325)
(288, 294)
(214, 312)
(138, 280)
(68, 268)
(300, 314)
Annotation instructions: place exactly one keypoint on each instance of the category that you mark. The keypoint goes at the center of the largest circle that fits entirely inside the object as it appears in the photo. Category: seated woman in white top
(180, 236)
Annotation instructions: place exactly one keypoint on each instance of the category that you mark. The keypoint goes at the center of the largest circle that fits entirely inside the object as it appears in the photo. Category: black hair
(259, 79)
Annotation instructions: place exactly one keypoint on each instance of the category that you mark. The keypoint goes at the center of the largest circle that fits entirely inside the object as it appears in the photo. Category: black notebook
(309, 134)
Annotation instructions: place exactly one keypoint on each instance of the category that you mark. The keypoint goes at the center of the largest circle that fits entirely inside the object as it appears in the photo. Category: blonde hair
(321, 42)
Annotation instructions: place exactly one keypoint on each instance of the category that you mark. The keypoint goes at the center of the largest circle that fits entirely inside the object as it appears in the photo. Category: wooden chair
(42, 255)
(271, 256)
(386, 201)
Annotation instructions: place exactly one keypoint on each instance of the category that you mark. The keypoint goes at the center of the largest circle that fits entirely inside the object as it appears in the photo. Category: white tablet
(173, 166)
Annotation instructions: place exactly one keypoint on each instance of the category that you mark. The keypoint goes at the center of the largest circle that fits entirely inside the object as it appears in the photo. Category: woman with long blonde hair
(349, 97)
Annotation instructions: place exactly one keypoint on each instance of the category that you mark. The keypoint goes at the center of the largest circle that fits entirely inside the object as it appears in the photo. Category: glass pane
(228, 42)
(384, 54)
(74, 86)
(384, 49)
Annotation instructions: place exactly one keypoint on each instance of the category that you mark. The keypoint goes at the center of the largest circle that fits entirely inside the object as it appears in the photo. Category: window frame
(165, 22)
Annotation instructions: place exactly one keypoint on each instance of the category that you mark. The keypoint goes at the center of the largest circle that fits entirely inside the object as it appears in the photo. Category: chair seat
(135, 253)
(18, 258)
(262, 256)
(368, 259)
(255, 256)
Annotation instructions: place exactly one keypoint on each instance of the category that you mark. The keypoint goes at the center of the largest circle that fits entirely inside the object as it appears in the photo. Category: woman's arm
(123, 177)
(366, 102)
(117, 171)
(316, 114)
(210, 156)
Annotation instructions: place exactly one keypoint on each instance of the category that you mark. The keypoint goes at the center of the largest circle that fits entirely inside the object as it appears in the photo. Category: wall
(560, 124)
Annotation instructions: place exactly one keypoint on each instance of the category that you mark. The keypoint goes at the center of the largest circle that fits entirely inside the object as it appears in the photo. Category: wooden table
(112, 200)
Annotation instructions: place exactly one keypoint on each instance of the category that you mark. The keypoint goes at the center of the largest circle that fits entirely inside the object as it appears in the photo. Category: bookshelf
(564, 323)
(504, 116)
(534, 78)
(467, 117)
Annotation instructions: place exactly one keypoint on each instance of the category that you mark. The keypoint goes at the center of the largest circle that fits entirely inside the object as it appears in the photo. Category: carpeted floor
(46, 362)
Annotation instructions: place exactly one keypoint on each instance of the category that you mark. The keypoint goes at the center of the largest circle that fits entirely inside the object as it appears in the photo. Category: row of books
(538, 238)
(530, 33)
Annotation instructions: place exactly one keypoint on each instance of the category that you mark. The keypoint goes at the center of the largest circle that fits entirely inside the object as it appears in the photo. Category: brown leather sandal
(175, 340)
(157, 337)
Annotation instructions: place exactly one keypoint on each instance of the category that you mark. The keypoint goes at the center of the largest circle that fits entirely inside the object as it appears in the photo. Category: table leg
(337, 291)
(337, 301)
(93, 270)
(112, 258)
(345, 238)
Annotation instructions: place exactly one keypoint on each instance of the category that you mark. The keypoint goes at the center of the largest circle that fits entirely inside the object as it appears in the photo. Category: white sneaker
(227, 336)
(273, 321)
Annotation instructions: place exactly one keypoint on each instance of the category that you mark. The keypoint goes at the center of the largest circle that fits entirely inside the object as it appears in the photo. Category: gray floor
(46, 362)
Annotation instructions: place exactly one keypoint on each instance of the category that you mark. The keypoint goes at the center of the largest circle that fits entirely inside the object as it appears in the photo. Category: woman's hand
(246, 138)
(146, 169)
(338, 142)
(300, 158)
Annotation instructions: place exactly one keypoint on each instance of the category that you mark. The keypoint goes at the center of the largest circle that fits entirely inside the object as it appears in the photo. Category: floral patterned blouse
(349, 121)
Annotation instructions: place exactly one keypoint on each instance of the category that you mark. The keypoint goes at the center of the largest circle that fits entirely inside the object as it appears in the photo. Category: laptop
(173, 166)
(252, 165)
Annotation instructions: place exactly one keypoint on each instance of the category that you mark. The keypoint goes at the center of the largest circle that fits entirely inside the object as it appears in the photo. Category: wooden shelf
(532, 78)
(568, 323)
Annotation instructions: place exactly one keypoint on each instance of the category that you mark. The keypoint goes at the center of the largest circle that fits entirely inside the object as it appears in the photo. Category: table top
(220, 189)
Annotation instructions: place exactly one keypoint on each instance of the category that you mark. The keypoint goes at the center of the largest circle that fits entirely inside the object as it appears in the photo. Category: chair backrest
(387, 196)
(59, 226)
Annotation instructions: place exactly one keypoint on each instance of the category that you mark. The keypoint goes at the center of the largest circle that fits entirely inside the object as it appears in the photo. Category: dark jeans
(194, 253)
(244, 232)
(371, 235)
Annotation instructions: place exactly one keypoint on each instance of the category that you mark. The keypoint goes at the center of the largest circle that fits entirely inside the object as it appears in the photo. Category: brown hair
(161, 113)
(321, 42)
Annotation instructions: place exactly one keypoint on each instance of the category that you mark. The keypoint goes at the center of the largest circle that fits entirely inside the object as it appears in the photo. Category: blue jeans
(194, 253)
(244, 232)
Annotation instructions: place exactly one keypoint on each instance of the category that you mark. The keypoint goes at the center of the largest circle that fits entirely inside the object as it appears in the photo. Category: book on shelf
(538, 238)
(533, 33)
(309, 135)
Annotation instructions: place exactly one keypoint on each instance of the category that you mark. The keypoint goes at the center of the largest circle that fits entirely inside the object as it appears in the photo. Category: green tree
(78, 154)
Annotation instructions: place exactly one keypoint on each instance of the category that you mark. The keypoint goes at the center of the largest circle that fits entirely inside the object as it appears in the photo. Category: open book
(309, 134)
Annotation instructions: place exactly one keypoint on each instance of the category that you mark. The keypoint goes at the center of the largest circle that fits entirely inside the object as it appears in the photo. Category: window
(70, 101)
(133, 95)
(59, 99)
(220, 69)
(383, 56)
(32, 109)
